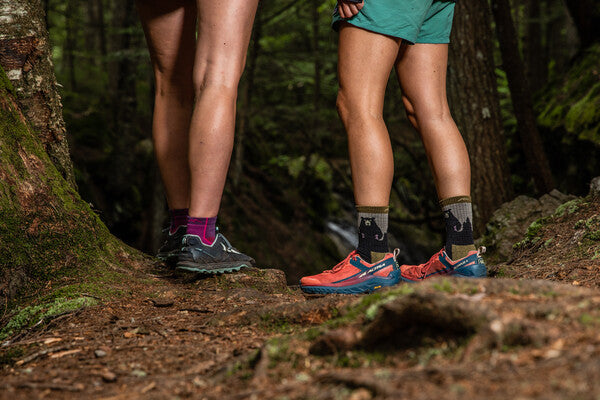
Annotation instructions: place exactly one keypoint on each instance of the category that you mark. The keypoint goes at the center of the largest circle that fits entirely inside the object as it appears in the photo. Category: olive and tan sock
(458, 215)
(372, 233)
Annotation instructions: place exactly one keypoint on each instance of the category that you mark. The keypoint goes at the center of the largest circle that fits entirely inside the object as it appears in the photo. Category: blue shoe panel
(367, 286)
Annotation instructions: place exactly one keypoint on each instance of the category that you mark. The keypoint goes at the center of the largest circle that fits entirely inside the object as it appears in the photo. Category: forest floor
(532, 331)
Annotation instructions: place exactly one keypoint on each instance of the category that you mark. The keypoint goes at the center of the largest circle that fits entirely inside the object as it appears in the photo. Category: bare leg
(224, 29)
(365, 62)
(421, 70)
(170, 29)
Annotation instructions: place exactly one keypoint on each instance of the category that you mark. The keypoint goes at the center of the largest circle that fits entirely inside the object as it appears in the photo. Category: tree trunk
(70, 43)
(247, 88)
(520, 93)
(586, 20)
(536, 63)
(316, 55)
(47, 233)
(49, 237)
(475, 106)
(25, 56)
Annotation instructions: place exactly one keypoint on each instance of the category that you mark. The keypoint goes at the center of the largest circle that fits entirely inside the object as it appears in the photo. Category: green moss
(10, 356)
(444, 286)
(572, 101)
(587, 319)
(368, 305)
(5, 84)
(28, 316)
(569, 207)
(48, 233)
(592, 235)
(584, 116)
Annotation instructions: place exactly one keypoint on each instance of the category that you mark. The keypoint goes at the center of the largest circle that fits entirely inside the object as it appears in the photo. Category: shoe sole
(169, 258)
(217, 269)
(471, 271)
(367, 286)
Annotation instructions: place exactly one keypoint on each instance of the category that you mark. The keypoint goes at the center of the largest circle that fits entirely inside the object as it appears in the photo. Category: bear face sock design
(458, 215)
(372, 233)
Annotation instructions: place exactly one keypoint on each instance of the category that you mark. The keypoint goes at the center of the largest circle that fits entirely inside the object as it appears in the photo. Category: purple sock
(203, 227)
(178, 218)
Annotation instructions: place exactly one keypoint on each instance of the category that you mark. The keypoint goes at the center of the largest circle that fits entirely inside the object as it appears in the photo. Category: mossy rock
(520, 220)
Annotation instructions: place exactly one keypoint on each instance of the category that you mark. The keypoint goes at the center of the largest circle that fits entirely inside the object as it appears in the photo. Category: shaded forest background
(289, 201)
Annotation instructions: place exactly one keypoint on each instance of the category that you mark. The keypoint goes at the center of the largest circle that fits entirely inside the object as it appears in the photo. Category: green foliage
(573, 103)
(28, 316)
(9, 356)
(569, 207)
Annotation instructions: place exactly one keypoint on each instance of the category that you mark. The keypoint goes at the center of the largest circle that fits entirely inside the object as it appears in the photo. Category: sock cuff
(373, 209)
(179, 212)
(455, 200)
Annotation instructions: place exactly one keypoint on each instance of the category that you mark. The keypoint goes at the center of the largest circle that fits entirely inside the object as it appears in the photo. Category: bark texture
(475, 106)
(49, 236)
(25, 56)
(520, 93)
(46, 231)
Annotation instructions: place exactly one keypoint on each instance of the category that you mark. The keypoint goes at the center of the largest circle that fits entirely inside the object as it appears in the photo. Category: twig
(197, 310)
(48, 319)
(41, 353)
(78, 387)
(92, 296)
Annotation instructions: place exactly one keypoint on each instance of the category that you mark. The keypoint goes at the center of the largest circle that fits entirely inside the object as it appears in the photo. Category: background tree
(532, 145)
(475, 105)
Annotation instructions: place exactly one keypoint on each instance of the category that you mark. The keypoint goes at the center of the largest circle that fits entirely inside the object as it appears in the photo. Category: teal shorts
(416, 21)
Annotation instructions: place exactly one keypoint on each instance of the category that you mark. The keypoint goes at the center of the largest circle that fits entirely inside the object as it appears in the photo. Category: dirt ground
(249, 336)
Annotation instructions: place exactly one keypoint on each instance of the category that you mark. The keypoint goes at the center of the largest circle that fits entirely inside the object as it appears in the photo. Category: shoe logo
(229, 249)
(373, 270)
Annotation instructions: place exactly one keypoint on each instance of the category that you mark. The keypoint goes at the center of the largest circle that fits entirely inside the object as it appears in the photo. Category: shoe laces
(341, 264)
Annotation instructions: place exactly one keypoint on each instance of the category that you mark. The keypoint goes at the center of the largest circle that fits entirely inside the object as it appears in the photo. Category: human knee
(427, 112)
(353, 108)
(173, 83)
(224, 79)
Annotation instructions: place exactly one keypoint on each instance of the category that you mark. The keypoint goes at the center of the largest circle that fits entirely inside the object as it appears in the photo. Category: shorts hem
(433, 41)
(375, 29)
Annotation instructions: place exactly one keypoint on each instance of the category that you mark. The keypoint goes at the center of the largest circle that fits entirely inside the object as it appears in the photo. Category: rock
(360, 394)
(509, 223)
(108, 376)
(138, 373)
(595, 186)
(264, 280)
(100, 353)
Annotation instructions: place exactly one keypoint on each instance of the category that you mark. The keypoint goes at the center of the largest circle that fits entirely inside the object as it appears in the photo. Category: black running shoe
(169, 251)
(216, 258)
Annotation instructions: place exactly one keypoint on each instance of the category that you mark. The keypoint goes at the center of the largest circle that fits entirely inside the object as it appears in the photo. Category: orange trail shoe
(354, 275)
(471, 266)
